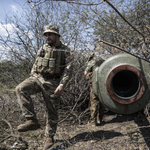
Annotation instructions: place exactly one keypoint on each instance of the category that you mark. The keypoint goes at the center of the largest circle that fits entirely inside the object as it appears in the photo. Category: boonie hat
(51, 29)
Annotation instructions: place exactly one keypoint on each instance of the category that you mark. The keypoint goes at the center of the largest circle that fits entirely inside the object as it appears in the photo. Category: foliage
(81, 24)
(116, 30)
(27, 38)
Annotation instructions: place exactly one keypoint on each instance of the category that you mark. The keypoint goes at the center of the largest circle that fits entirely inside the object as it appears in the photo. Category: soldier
(96, 109)
(49, 75)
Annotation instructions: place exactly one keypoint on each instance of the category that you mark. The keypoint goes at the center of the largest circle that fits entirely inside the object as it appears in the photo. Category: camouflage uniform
(52, 67)
(97, 109)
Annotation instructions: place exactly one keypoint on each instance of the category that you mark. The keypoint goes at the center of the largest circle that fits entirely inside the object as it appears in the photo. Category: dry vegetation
(124, 24)
(127, 132)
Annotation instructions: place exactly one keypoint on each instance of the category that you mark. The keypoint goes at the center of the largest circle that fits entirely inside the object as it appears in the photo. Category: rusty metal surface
(142, 88)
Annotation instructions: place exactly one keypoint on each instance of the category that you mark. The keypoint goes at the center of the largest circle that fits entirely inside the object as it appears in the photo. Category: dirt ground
(119, 132)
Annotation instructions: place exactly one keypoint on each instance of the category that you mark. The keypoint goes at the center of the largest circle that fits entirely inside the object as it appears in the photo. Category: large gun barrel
(122, 83)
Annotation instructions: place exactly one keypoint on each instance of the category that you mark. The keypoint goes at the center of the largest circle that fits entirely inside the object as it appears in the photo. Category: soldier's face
(50, 37)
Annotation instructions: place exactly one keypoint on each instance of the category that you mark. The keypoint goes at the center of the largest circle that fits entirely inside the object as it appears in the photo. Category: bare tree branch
(125, 19)
(99, 40)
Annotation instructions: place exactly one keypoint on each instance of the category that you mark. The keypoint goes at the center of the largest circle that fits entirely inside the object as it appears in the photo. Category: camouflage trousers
(96, 109)
(36, 84)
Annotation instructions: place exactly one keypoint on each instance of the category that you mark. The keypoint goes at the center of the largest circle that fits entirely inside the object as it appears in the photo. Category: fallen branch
(138, 128)
(11, 131)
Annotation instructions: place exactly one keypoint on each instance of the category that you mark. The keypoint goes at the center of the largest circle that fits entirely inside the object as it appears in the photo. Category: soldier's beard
(51, 42)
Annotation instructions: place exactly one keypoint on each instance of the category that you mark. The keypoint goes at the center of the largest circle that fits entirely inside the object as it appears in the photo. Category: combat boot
(28, 125)
(48, 143)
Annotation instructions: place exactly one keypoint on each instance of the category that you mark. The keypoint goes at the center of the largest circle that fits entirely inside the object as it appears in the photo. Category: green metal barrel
(122, 83)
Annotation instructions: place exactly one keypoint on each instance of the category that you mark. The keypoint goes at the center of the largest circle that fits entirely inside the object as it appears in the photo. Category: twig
(71, 111)
(9, 136)
(139, 128)
(121, 49)
(125, 19)
(147, 111)
(11, 130)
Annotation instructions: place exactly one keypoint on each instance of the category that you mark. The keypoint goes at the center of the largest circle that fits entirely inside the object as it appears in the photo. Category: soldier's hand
(89, 75)
(85, 73)
(59, 90)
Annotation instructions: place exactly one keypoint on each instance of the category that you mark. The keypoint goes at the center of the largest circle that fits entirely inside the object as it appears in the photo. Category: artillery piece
(122, 83)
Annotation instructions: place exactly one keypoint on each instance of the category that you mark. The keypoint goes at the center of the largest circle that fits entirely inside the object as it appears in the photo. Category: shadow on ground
(141, 120)
(86, 136)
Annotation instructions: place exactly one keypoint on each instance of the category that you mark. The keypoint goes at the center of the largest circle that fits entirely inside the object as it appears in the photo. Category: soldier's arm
(67, 71)
(66, 75)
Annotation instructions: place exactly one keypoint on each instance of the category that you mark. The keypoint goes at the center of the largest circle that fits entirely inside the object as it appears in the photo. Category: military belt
(48, 76)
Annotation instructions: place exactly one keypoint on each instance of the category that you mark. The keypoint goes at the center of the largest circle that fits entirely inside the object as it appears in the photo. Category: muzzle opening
(125, 84)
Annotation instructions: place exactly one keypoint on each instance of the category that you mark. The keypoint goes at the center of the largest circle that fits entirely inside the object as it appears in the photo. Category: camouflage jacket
(93, 63)
(65, 70)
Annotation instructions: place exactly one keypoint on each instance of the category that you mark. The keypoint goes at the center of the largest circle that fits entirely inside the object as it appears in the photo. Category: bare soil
(119, 132)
